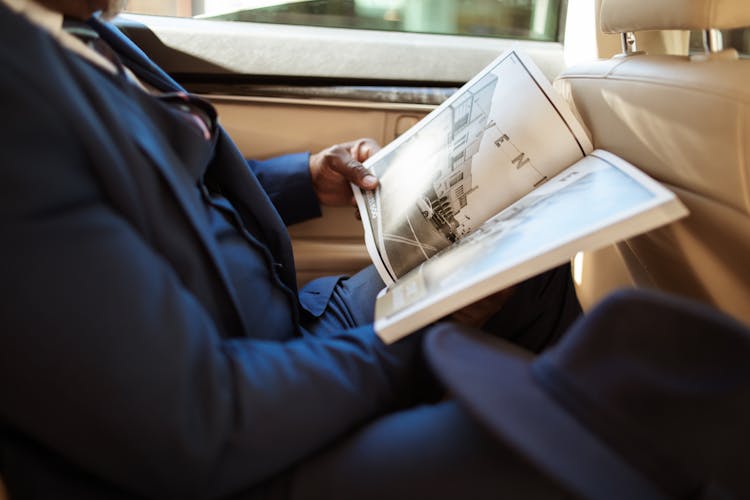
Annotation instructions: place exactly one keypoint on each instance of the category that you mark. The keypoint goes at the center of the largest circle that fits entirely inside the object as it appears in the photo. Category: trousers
(430, 449)
(535, 316)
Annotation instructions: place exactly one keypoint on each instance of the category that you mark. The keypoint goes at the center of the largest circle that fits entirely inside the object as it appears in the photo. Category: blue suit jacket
(125, 368)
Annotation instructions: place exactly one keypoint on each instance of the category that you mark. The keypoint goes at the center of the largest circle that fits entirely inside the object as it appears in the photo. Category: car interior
(662, 84)
(682, 119)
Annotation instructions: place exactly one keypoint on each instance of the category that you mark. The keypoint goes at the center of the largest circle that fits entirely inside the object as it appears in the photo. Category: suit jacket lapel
(134, 58)
(178, 180)
(249, 198)
(242, 186)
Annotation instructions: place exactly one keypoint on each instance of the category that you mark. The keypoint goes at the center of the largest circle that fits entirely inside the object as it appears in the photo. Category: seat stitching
(743, 99)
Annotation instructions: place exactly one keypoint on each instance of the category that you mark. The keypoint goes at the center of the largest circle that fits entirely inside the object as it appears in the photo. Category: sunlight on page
(578, 268)
(596, 201)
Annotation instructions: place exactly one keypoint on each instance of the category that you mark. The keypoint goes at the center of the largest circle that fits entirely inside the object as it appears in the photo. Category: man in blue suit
(154, 343)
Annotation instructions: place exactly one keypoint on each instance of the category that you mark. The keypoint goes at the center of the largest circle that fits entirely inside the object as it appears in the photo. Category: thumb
(356, 173)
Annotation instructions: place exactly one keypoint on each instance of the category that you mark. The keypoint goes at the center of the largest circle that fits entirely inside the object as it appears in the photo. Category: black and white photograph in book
(545, 226)
(496, 139)
(435, 219)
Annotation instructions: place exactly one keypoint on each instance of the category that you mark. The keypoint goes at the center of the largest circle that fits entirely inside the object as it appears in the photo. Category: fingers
(340, 159)
(364, 148)
(355, 172)
(333, 169)
(478, 313)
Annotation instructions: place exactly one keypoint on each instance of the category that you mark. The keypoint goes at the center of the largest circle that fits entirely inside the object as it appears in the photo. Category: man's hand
(334, 168)
(478, 313)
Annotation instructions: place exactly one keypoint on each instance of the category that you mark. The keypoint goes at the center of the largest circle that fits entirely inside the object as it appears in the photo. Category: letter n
(520, 160)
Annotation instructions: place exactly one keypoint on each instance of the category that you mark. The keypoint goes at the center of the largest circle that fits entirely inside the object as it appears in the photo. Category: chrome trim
(340, 103)
(713, 41)
(431, 96)
(628, 43)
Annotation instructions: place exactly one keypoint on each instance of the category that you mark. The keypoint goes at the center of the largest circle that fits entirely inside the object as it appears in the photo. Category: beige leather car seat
(685, 120)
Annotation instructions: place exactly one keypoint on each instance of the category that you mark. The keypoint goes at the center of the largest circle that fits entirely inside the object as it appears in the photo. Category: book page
(599, 200)
(501, 135)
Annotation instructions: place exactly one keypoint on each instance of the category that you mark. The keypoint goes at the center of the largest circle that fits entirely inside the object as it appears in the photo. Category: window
(521, 19)
(738, 39)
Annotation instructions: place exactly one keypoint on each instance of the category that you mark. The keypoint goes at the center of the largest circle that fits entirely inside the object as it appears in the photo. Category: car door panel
(281, 89)
(264, 127)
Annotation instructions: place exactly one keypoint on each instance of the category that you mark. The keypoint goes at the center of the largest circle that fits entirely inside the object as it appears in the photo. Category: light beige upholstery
(686, 122)
(618, 16)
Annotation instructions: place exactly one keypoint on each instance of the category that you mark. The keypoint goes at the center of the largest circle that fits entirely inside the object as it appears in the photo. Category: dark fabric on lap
(350, 303)
(431, 451)
(534, 317)
(539, 312)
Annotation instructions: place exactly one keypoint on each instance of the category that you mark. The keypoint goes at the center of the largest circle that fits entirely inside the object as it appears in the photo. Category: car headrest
(620, 16)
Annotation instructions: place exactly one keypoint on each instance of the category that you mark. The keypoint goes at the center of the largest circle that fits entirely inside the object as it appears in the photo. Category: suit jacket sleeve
(107, 360)
(287, 181)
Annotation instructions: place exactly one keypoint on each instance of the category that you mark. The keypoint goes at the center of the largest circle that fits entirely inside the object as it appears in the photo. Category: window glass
(738, 39)
(524, 19)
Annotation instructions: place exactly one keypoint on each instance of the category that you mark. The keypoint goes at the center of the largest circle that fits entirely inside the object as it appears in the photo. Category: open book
(496, 185)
